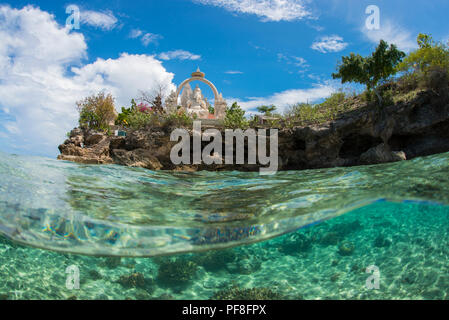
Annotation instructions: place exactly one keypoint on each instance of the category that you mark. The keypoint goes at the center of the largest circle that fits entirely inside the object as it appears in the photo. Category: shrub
(304, 113)
(140, 120)
(427, 66)
(178, 119)
(235, 117)
(96, 111)
(429, 54)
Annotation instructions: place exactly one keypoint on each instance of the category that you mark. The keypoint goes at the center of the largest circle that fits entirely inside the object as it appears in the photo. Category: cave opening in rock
(355, 144)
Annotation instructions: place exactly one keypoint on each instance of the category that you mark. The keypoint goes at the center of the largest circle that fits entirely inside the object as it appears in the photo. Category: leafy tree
(372, 69)
(267, 110)
(429, 55)
(96, 111)
(235, 117)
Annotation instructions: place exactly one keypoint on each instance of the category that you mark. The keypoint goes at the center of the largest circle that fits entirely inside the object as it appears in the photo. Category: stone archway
(210, 84)
(219, 103)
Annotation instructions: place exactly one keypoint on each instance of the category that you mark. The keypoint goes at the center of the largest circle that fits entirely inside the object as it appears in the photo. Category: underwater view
(138, 234)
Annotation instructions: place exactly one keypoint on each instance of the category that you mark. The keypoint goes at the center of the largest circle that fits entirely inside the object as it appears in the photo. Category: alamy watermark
(373, 20)
(213, 152)
(73, 20)
(373, 281)
(73, 277)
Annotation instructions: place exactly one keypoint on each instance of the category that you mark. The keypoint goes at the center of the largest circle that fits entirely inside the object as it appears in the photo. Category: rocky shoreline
(364, 136)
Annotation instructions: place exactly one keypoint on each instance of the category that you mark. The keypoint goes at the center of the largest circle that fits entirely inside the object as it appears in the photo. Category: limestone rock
(137, 158)
(381, 154)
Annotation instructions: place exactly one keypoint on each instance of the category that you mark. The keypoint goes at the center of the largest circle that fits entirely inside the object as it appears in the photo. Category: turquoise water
(139, 234)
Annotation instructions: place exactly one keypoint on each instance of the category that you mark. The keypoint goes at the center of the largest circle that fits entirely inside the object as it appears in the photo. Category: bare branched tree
(154, 97)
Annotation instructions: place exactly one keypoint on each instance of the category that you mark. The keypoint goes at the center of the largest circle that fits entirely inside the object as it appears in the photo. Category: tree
(267, 110)
(235, 117)
(97, 111)
(154, 98)
(430, 54)
(372, 69)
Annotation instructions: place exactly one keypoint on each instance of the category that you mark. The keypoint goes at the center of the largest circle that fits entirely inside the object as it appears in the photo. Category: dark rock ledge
(365, 136)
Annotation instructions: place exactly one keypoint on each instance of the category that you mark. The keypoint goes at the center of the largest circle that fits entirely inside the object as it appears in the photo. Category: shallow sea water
(137, 234)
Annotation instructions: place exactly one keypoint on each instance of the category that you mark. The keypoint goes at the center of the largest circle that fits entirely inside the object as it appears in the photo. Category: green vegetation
(380, 66)
(143, 116)
(425, 68)
(330, 109)
(235, 117)
(267, 110)
(96, 112)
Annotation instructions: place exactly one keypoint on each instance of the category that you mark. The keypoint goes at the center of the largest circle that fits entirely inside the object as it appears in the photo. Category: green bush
(330, 109)
(140, 120)
(96, 111)
(427, 66)
(178, 119)
(235, 117)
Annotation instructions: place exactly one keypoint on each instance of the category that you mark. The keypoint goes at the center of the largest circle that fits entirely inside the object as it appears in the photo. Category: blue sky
(255, 52)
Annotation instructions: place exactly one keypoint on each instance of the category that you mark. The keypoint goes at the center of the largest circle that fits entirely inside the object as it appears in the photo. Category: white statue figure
(197, 105)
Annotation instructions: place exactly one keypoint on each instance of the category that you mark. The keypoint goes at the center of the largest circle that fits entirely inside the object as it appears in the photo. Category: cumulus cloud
(42, 75)
(103, 20)
(329, 44)
(178, 55)
(393, 34)
(267, 10)
(284, 99)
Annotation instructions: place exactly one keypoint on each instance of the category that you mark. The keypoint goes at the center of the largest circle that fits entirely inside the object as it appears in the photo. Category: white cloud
(103, 20)
(284, 99)
(38, 92)
(135, 33)
(268, 10)
(299, 62)
(179, 55)
(148, 38)
(145, 37)
(393, 34)
(329, 44)
(233, 72)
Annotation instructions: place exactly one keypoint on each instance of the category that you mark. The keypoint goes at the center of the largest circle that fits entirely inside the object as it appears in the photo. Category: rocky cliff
(363, 136)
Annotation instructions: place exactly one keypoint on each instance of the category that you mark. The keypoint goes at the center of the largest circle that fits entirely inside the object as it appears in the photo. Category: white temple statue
(197, 105)
(193, 102)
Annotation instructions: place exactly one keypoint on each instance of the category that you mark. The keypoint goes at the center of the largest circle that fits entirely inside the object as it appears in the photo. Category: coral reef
(346, 248)
(134, 280)
(381, 242)
(299, 243)
(215, 260)
(178, 271)
(237, 293)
